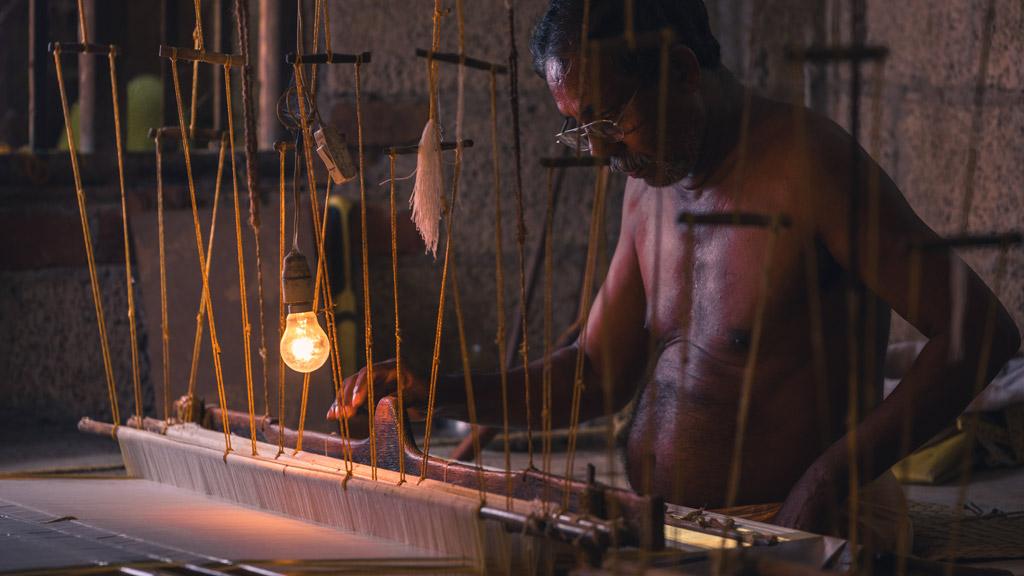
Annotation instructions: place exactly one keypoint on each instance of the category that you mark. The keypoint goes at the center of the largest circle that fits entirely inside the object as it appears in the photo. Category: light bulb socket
(297, 283)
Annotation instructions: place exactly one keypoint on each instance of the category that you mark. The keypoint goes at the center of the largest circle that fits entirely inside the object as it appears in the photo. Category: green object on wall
(144, 111)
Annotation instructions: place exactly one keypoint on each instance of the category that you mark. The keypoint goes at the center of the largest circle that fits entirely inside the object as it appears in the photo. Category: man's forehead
(601, 87)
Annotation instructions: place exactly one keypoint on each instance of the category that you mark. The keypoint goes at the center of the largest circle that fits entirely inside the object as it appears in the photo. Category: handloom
(499, 520)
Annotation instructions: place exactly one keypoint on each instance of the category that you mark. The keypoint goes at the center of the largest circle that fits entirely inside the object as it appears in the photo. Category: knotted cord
(367, 321)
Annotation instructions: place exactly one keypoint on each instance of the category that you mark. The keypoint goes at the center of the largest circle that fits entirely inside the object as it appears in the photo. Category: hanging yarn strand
(197, 44)
(282, 153)
(83, 215)
(165, 333)
(513, 98)
(499, 282)
(365, 247)
(399, 392)
(242, 291)
(201, 313)
(134, 347)
(203, 269)
(252, 185)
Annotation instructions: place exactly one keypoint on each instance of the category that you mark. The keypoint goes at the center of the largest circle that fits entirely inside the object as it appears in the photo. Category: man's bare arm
(942, 380)
(614, 345)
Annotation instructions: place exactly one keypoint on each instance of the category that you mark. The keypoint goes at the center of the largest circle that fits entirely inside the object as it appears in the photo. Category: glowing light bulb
(304, 344)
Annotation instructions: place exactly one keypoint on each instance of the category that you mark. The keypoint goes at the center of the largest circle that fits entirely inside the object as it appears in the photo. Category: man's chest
(711, 279)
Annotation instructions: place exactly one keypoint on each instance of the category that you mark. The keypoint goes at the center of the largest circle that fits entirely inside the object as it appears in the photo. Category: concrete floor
(65, 449)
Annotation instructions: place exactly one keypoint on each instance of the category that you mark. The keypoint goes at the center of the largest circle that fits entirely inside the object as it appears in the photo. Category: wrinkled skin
(682, 302)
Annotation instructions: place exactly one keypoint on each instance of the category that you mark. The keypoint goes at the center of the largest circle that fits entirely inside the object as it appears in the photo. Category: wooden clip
(175, 53)
(413, 149)
(748, 219)
(79, 48)
(453, 58)
(836, 53)
(575, 162)
(327, 58)
(1005, 239)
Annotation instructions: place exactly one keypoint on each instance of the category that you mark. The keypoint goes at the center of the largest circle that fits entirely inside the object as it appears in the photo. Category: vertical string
(281, 233)
(203, 268)
(165, 334)
(499, 282)
(367, 320)
(85, 35)
(197, 341)
(136, 385)
(398, 331)
(513, 98)
(83, 216)
(242, 291)
(251, 166)
(548, 321)
(596, 217)
(197, 44)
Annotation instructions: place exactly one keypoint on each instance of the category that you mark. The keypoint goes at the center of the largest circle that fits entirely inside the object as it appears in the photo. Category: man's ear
(684, 67)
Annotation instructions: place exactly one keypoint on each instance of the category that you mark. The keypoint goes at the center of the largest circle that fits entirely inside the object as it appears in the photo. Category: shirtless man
(698, 302)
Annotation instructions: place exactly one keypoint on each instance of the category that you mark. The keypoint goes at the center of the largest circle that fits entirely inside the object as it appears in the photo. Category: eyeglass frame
(563, 136)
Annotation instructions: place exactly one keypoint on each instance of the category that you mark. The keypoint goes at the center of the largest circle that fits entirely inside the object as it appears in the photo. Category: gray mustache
(628, 163)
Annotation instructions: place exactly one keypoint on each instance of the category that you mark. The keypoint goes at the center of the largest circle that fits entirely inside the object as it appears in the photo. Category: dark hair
(557, 34)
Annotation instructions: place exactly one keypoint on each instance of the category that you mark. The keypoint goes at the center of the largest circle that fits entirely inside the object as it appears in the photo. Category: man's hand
(810, 505)
(354, 390)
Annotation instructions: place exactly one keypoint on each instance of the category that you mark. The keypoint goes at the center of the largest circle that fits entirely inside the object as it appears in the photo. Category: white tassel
(426, 194)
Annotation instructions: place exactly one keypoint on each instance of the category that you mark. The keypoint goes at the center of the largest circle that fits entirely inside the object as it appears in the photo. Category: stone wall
(927, 109)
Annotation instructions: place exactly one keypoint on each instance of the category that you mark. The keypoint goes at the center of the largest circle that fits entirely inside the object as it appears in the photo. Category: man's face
(632, 105)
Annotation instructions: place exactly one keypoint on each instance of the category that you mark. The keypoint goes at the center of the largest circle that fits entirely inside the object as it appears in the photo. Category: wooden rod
(836, 53)
(413, 149)
(574, 162)
(190, 55)
(735, 219)
(327, 58)
(79, 48)
(973, 241)
(468, 62)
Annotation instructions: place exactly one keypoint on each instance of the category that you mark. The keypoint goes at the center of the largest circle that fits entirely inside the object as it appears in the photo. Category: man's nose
(602, 148)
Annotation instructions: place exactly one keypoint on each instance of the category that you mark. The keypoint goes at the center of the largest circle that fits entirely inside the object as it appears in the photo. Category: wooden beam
(327, 58)
(468, 62)
(190, 55)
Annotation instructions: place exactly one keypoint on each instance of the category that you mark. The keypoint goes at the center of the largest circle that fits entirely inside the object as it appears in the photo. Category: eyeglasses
(579, 137)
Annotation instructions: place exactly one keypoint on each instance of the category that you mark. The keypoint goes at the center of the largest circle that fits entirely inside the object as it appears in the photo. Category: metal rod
(461, 59)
